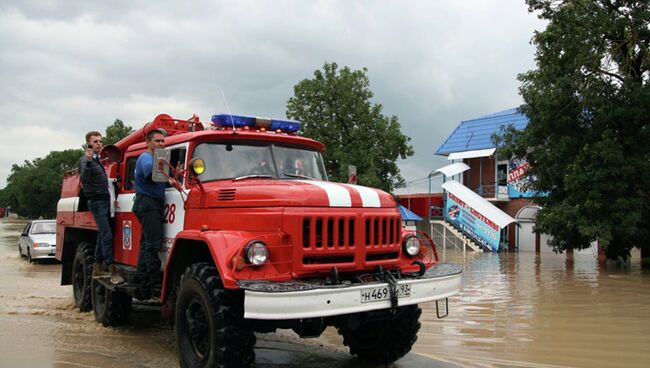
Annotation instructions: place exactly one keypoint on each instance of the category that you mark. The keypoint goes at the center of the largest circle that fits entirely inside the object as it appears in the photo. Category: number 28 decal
(169, 213)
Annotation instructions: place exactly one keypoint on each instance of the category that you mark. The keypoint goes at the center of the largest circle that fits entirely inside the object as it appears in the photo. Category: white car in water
(38, 240)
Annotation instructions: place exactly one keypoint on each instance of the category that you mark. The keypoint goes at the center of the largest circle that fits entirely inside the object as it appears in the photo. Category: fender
(227, 252)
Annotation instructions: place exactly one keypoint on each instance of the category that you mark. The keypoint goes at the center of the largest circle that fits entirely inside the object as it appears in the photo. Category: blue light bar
(241, 121)
(288, 126)
(237, 121)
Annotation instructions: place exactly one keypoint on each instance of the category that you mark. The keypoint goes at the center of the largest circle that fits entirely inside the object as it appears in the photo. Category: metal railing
(446, 238)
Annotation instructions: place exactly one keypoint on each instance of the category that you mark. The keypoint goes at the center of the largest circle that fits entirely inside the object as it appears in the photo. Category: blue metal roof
(476, 134)
(408, 215)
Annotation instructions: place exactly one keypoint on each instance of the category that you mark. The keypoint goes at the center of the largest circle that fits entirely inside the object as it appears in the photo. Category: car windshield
(44, 228)
(242, 160)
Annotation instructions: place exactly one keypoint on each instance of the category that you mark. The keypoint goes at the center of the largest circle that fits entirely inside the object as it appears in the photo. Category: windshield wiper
(252, 177)
(297, 176)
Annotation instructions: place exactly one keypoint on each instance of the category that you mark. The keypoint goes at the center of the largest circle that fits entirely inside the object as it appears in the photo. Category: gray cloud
(68, 67)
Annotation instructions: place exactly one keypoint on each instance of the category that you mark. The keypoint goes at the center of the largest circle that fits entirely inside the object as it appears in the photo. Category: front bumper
(269, 300)
(43, 252)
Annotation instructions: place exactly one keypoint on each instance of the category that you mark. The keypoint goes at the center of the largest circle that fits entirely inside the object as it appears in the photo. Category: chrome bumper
(268, 300)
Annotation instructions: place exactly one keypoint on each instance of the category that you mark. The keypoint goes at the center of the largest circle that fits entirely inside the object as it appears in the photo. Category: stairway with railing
(446, 235)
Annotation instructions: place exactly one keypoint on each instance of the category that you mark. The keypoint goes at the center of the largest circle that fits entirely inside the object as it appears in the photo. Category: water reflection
(524, 309)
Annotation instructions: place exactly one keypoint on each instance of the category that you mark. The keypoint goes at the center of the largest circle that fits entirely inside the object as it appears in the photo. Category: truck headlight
(256, 253)
(411, 246)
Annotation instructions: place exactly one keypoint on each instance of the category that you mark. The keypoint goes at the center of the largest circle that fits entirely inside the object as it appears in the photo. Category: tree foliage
(34, 188)
(116, 131)
(588, 102)
(335, 108)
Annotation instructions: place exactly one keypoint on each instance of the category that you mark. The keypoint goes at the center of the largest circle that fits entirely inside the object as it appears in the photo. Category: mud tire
(384, 341)
(110, 308)
(210, 329)
(29, 256)
(81, 276)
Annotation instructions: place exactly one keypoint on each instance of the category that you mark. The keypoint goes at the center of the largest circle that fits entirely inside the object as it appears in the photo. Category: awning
(478, 203)
(471, 154)
(408, 215)
(453, 169)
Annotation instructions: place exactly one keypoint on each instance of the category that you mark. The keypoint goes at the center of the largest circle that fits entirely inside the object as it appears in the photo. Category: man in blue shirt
(148, 207)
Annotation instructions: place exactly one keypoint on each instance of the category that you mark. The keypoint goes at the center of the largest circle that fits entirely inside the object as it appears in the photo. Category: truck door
(126, 233)
(174, 210)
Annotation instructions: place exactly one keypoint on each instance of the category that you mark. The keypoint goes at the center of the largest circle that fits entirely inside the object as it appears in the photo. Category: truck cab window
(129, 177)
(177, 160)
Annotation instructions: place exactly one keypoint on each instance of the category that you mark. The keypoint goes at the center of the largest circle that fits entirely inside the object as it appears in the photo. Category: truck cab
(256, 238)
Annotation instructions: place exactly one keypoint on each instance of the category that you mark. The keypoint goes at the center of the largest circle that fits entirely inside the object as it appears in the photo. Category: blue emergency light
(241, 121)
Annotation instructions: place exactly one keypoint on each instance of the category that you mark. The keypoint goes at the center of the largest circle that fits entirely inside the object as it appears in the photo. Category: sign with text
(518, 179)
(466, 218)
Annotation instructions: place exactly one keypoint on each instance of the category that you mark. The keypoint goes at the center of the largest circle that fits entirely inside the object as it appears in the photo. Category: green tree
(34, 188)
(335, 109)
(588, 102)
(116, 131)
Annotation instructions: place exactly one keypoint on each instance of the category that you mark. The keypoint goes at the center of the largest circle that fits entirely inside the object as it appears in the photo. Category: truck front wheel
(210, 329)
(110, 307)
(384, 341)
(81, 276)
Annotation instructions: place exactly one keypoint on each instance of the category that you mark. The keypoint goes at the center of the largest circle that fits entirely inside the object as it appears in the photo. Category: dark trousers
(149, 212)
(104, 248)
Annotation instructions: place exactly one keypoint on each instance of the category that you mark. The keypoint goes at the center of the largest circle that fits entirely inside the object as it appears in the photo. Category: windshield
(240, 160)
(44, 228)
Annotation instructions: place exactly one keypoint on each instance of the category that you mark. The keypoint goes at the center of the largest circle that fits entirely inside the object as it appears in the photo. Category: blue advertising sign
(518, 180)
(466, 218)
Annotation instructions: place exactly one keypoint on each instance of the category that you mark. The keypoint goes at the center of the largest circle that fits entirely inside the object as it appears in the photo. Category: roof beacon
(253, 122)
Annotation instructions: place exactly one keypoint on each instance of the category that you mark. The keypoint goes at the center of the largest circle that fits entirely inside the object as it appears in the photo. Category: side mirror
(160, 169)
(23, 234)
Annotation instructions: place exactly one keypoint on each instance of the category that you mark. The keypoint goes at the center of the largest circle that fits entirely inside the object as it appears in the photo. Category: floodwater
(529, 310)
(515, 310)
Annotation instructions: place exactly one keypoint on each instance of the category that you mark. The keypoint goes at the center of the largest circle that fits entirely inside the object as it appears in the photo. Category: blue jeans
(104, 248)
(149, 212)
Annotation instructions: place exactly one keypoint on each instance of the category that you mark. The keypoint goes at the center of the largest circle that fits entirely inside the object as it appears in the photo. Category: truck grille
(336, 240)
(328, 232)
(381, 231)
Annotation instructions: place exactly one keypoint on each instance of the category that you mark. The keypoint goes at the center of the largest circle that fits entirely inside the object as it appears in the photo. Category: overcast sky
(68, 67)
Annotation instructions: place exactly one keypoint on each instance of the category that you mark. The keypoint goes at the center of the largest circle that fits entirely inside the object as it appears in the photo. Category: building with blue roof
(499, 180)
(476, 134)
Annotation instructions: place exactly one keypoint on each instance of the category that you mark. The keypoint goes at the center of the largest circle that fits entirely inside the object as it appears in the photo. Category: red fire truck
(255, 238)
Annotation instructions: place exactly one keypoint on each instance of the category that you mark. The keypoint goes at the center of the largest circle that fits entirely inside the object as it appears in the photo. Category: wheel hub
(197, 328)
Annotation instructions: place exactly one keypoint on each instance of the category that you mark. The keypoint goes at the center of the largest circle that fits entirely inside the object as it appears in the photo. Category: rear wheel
(29, 255)
(81, 276)
(210, 329)
(385, 340)
(110, 308)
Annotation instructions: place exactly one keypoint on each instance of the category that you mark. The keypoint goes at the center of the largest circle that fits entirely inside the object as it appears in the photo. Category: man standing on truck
(148, 207)
(94, 183)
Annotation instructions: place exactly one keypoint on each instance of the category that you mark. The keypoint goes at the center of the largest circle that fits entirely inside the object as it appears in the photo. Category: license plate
(382, 293)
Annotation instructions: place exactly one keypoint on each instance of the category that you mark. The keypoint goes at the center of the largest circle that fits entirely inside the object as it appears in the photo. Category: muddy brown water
(515, 310)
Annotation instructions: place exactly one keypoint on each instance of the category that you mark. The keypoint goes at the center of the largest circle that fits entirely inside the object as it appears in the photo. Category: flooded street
(528, 310)
(521, 310)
